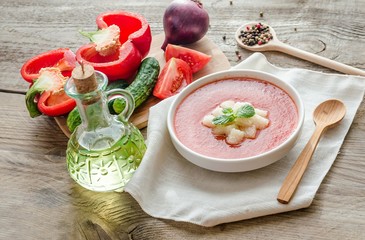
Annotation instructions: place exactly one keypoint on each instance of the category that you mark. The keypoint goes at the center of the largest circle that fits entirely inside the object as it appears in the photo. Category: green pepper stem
(31, 103)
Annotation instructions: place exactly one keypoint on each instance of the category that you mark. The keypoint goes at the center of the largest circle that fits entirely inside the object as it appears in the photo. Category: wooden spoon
(326, 115)
(276, 45)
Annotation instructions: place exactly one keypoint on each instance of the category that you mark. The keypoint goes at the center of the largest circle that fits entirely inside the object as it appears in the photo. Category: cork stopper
(84, 78)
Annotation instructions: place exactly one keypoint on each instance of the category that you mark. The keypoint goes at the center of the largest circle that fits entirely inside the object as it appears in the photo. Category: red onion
(184, 22)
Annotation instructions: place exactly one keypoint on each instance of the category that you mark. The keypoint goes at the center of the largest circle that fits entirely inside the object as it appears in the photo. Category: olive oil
(108, 168)
(105, 150)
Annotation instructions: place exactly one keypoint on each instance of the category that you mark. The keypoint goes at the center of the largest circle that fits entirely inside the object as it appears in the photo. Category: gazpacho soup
(235, 118)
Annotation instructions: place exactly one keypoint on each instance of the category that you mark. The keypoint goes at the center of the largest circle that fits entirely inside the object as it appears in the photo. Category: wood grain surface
(40, 201)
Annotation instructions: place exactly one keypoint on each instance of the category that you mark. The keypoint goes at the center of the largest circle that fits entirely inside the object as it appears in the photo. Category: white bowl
(237, 164)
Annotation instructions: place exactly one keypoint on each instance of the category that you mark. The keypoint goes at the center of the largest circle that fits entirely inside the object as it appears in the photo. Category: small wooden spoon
(276, 45)
(326, 115)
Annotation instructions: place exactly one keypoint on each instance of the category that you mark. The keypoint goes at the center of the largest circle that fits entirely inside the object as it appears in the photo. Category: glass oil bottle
(105, 150)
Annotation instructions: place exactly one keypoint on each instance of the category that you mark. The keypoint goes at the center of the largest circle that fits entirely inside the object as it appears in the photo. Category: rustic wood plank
(40, 201)
(334, 31)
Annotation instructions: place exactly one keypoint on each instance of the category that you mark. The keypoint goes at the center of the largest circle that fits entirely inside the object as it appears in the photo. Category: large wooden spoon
(326, 115)
(276, 45)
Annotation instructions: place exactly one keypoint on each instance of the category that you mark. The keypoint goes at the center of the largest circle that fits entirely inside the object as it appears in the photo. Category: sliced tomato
(196, 60)
(175, 75)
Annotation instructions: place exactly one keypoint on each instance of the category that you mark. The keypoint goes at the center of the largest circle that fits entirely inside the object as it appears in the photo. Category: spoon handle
(314, 58)
(295, 174)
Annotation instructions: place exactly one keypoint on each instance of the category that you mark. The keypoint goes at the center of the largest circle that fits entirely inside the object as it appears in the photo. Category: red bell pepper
(134, 44)
(47, 95)
(134, 28)
(62, 58)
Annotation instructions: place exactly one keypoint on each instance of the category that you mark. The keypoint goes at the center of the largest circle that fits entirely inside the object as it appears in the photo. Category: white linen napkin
(168, 186)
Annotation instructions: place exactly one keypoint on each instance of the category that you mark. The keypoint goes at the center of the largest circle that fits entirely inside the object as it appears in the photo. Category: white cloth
(168, 186)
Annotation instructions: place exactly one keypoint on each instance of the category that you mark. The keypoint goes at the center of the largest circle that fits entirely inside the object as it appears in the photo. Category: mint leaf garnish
(228, 116)
(246, 111)
(227, 110)
(223, 119)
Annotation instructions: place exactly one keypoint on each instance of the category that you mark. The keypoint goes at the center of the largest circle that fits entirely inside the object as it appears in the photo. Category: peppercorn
(261, 14)
(255, 34)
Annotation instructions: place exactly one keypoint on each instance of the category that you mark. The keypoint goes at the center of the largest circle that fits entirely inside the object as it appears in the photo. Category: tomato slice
(175, 75)
(196, 60)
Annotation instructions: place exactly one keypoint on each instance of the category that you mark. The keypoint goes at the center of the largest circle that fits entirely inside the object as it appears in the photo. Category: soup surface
(283, 116)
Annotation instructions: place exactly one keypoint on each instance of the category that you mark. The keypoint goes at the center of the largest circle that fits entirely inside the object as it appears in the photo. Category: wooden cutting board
(218, 62)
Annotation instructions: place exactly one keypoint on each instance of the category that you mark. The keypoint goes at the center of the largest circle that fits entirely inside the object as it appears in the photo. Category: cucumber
(73, 119)
(141, 88)
(143, 84)
(115, 85)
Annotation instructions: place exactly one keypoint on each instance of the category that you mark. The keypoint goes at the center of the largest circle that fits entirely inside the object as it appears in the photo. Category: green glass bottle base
(108, 169)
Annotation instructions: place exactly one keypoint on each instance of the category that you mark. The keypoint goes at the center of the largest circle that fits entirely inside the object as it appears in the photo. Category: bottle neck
(99, 129)
(92, 105)
(94, 112)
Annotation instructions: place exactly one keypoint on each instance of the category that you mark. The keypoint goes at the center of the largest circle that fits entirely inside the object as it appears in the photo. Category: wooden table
(38, 199)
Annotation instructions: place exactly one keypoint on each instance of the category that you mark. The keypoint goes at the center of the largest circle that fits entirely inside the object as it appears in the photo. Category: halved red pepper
(121, 65)
(62, 58)
(134, 39)
(47, 95)
(56, 103)
(134, 28)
